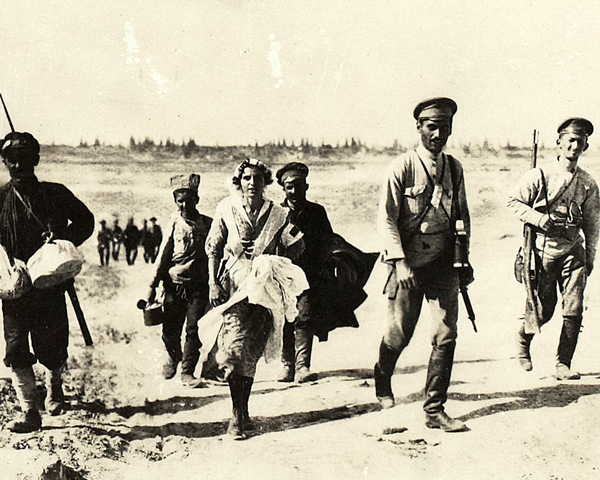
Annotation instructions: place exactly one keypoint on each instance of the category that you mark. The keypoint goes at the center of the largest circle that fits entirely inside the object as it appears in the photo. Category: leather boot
(382, 374)
(55, 399)
(23, 380)
(303, 344)
(236, 423)
(523, 349)
(436, 389)
(248, 381)
(566, 347)
(288, 354)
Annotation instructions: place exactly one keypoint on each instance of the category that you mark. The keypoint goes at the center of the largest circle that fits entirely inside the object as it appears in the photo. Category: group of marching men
(149, 237)
(258, 268)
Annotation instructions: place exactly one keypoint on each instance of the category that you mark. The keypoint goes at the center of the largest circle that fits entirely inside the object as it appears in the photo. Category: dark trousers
(180, 311)
(41, 314)
(131, 254)
(104, 253)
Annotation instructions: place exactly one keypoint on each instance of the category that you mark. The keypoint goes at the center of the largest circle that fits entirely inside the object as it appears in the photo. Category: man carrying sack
(31, 212)
(561, 204)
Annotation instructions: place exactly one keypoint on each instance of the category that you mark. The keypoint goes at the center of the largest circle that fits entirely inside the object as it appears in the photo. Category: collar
(425, 154)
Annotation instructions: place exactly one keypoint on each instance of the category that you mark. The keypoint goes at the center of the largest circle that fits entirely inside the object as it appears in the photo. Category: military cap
(293, 169)
(577, 126)
(19, 140)
(435, 108)
(188, 181)
(153, 219)
(102, 222)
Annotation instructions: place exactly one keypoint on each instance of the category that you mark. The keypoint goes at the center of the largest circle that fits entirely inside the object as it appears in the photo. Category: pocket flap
(414, 191)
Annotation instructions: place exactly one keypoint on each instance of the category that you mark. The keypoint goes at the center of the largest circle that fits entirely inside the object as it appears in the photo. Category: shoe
(304, 375)
(287, 374)
(55, 399)
(169, 369)
(188, 380)
(443, 421)
(27, 422)
(526, 364)
(565, 373)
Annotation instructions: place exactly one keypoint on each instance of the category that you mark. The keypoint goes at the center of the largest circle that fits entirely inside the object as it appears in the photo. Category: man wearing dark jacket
(31, 212)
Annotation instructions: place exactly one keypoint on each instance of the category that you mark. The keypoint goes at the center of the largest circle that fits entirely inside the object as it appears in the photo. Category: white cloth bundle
(55, 262)
(14, 279)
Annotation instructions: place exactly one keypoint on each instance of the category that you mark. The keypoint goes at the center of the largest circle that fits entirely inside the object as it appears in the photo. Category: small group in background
(110, 241)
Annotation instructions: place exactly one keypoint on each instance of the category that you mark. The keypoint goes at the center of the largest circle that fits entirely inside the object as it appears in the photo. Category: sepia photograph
(255, 239)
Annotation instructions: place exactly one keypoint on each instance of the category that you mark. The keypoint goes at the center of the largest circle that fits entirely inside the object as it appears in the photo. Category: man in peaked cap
(311, 219)
(182, 267)
(422, 198)
(30, 212)
(561, 203)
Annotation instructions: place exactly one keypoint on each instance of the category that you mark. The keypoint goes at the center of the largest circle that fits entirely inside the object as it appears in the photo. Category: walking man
(423, 195)
(30, 212)
(311, 219)
(561, 203)
(104, 237)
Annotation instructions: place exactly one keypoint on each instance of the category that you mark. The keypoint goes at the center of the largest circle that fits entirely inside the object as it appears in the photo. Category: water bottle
(461, 253)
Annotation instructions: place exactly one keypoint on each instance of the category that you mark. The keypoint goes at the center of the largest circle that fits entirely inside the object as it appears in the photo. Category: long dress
(236, 240)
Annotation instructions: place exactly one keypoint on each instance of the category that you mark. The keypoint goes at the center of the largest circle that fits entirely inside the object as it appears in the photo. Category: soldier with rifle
(560, 204)
(30, 212)
(423, 206)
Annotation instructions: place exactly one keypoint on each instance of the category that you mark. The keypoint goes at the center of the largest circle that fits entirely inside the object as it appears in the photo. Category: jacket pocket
(415, 198)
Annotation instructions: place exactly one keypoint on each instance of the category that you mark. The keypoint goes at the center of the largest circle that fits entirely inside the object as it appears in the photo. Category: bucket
(153, 313)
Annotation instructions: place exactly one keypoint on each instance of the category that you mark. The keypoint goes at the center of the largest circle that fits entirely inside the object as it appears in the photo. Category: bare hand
(151, 296)
(405, 275)
(216, 295)
(546, 223)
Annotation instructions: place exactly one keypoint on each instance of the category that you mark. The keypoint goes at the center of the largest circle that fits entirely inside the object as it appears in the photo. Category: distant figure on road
(422, 198)
(104, 239)
(157, 237)
(31, 212)
(147, 242)
(117, 239)
(131, 241)
(561, 203)
(183, 270)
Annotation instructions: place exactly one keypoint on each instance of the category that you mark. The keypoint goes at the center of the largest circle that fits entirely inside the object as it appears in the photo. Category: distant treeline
(190, 149)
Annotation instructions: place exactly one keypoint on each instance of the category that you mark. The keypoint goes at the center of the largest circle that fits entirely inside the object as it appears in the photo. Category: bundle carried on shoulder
(14, 279)
(54, 262)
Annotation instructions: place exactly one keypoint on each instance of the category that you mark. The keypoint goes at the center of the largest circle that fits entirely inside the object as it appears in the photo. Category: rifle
(85, 331)
(532, 308)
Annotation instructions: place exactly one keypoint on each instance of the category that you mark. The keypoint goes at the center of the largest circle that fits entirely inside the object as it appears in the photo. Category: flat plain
(126, 422)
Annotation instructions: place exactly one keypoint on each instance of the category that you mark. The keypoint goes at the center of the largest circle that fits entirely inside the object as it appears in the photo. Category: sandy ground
(126, 422)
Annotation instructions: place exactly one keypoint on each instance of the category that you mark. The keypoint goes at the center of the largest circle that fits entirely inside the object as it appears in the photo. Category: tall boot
(524, 349)
(236, 424)
(188, 367)
(55, 399)
(288, 354)
(303, 346)
(248, 381)
(436, 390)
(383, 371)
(566, 348)
(23, 380)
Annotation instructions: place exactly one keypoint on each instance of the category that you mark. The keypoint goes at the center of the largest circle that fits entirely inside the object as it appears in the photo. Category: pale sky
(236, 72)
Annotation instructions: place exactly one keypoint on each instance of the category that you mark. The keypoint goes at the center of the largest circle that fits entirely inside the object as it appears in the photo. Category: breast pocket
(415, 198)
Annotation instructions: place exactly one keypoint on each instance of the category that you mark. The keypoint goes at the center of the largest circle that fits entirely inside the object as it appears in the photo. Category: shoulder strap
(455, 213)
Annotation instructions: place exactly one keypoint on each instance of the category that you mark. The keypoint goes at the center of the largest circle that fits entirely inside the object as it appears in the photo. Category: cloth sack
(54, 262)
(14, 279)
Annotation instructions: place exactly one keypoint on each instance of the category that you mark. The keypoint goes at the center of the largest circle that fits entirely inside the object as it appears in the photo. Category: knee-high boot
(303, 346)
(524, 349)
(236, 424)
(23, 380)
(55, 399)
(566, 348)
(248, 381)
(288, 354)
(382, 374)
(436, 390)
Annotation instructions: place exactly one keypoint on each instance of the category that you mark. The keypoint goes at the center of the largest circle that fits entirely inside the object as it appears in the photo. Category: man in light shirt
(422, 197)
(561, 203)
